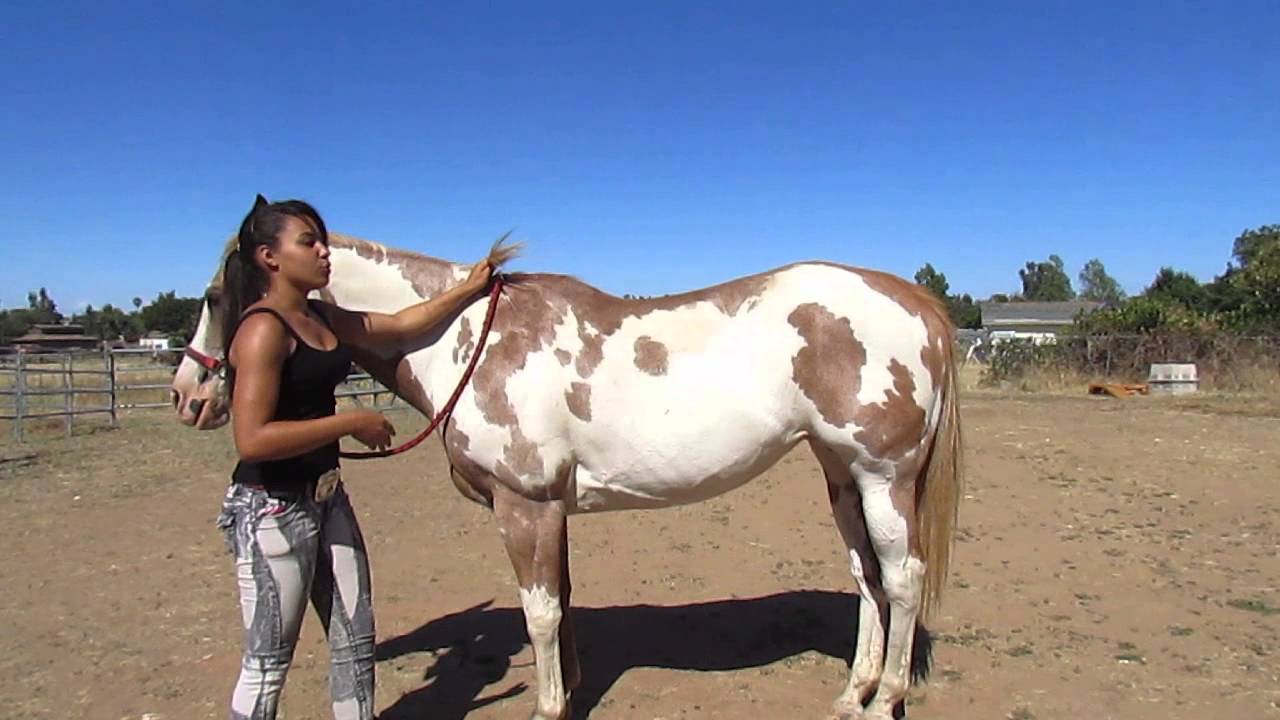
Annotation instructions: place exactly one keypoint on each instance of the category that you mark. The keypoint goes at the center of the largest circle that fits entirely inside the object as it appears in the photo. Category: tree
(14, 323)
(934, 280)
(43, 308)
(171, 315)
(964, 312)
(1258, 287)
(114, 324)
(1097, 285)
(1179, 287)
(1252, 243)
(1046, 281)
(1225, 295)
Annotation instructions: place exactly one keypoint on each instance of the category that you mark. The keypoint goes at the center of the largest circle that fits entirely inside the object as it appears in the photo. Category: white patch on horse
(542, 620)
(382, 285)
(646, 444)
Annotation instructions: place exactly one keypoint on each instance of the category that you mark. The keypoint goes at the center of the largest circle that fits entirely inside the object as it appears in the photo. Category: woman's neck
(287, 297)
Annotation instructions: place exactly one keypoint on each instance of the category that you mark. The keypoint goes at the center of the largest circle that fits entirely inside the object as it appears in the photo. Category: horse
(585, 402)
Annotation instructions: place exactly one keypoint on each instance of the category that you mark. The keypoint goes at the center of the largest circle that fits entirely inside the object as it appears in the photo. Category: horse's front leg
(536, 537)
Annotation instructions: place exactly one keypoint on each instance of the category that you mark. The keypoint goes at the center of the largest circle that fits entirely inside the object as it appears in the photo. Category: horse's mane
(501, 252)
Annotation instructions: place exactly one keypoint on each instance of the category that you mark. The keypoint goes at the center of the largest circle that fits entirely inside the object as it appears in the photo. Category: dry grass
(1243, 380)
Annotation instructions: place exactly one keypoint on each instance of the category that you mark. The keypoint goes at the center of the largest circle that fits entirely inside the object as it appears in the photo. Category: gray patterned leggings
(287, 550)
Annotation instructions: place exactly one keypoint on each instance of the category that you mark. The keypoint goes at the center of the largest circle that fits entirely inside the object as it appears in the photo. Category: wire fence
(1223, 361)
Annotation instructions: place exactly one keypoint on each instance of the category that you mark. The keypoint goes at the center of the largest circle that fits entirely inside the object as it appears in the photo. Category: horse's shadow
(479, 643)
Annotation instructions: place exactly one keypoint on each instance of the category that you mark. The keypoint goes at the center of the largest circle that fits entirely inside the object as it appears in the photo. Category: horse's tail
(938, 502)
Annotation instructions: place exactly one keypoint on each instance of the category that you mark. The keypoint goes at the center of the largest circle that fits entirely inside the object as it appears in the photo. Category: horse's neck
(367, 276)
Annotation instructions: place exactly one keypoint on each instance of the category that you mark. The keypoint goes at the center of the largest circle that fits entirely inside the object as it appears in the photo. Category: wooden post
(20, 400)
(110, 357)
(68, 389)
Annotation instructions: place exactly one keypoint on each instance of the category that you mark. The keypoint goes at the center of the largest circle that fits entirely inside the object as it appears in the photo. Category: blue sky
(645, 147)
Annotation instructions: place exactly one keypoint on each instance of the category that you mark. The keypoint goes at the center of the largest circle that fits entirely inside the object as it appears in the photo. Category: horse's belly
(674, 469)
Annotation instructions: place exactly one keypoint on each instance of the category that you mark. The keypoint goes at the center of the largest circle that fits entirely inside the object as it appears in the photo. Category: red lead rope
(447, 410)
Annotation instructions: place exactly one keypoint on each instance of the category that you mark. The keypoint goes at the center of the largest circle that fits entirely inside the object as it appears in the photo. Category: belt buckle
(326, 484)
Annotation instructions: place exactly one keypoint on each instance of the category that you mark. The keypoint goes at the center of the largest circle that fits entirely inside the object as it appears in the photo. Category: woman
(286, 515)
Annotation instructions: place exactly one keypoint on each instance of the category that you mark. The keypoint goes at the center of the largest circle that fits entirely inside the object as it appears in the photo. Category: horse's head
(199, 389)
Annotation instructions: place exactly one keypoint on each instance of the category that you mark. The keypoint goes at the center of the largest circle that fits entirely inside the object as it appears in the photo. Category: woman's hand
(480, 274)
(372, 429)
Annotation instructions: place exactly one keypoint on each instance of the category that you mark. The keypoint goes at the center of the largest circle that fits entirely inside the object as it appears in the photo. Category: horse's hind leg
(868, 654)
(888, 507)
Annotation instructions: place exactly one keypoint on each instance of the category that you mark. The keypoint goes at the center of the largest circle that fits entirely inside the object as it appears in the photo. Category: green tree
(1097, 285)
(114, 324)
(964, 312)
(934, 280)
(1258, 288)
(43, 308)
(172, 315)
(1252, 243)
(14, 323)
(1225, 294)
(1046, 281)
(1179, 287)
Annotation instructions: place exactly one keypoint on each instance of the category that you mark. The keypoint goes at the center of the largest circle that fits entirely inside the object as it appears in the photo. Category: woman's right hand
(372, 429)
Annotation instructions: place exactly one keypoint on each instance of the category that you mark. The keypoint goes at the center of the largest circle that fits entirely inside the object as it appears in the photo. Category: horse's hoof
(564, 715)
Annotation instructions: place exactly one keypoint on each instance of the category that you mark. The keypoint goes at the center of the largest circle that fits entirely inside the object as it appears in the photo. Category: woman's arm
(259, 350)
(370, 328)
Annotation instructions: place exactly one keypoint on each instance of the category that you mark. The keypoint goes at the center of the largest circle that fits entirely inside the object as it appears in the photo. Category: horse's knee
(903, 584)
(542, 612)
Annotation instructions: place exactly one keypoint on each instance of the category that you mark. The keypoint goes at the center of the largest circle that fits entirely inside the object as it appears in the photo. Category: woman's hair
(243, 281)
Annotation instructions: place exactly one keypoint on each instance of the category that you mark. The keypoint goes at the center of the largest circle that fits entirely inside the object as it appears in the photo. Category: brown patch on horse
(833, 492)
(470, 479)
(592, 350)
(828, 369)
(466, 343)
(651, 356)
(564, 357)
(934, 357)
(578, 397)
(520, 457)
(527, 327)
(896, 427)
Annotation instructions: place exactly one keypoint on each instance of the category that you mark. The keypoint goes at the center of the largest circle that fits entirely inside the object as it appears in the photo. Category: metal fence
(69, 385)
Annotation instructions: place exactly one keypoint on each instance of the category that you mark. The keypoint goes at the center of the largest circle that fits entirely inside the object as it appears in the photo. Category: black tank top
(307, 382)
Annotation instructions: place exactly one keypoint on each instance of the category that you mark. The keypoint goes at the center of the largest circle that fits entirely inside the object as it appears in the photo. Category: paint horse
(585, 402)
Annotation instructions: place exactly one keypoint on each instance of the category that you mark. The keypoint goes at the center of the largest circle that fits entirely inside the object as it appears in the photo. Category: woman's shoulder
(262, 324)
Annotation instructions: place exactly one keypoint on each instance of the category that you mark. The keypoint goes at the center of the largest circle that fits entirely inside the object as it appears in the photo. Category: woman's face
(301, 256)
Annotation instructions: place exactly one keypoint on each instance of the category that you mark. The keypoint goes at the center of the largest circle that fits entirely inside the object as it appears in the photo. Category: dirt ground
(1116, 559)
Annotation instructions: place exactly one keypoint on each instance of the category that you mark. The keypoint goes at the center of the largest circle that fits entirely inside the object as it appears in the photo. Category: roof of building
(1020, 313)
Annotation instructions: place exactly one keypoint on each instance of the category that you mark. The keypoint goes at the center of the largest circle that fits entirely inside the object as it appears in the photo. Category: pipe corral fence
(69, 385)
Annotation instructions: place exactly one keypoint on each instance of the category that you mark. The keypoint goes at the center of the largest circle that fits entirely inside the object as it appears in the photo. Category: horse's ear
(260, 202)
